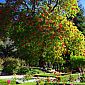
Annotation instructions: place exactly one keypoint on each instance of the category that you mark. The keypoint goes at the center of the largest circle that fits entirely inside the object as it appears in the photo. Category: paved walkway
(11, 76)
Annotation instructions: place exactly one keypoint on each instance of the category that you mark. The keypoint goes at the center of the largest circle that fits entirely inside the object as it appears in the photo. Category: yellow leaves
(60, 17)
(84, 52)
(69, 23)
(64, 19)
(75, 28)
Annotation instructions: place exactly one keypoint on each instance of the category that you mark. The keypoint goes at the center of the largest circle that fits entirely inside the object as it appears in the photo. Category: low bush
(64, 78)
(70, 78)
(22, 70)
(34, 71)
(10, 66)
(28, 76)
(77, 61)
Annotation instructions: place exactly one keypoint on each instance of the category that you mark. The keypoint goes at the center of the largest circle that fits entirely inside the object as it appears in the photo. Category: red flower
(8, 81)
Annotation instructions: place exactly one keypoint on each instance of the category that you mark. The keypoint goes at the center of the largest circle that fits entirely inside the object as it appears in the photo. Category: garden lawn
(35, 71)
(45, 75)
(63, 79)
(67, 83)
(4, 82)
(29, 83)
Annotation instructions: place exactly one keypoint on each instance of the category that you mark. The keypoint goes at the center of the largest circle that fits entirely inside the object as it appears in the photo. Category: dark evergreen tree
(79, 20)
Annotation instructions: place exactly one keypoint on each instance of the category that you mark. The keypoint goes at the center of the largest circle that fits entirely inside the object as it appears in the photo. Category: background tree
(79, 20)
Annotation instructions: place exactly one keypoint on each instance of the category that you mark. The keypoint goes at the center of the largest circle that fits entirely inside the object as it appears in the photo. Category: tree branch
(55, 5)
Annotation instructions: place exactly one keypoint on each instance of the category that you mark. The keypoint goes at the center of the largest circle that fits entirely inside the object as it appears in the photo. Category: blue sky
(83, 3)
(2, 0)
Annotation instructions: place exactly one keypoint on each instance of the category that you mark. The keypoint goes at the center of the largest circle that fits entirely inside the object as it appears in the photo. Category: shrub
(77, 61)
(70, 78)
(28, 76)
(64, 78)
(22, 70)
(23, 63)
(10, 66)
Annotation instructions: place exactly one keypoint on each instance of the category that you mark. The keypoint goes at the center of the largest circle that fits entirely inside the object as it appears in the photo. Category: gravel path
(11, 77)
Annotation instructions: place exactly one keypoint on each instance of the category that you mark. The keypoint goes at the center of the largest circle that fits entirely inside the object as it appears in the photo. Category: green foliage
(22, 70)
(77, 61)
(10, 65)
(67, 78)
(28, 76)
(67, 83)
(29, 83)
(33, 71)
(4, 82)
(64, 78)
(73, 77)
(45, 75)
(43, 33)
(83, 77)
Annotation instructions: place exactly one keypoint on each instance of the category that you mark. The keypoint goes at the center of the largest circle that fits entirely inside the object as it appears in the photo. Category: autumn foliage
(45, 29)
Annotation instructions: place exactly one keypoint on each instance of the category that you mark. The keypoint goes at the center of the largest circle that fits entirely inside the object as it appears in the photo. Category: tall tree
(38, 27)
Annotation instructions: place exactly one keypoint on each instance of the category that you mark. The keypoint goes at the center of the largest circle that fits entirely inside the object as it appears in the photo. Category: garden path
(11, 76)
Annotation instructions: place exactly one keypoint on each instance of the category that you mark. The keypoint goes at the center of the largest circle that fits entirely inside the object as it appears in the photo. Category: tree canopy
(41, 28)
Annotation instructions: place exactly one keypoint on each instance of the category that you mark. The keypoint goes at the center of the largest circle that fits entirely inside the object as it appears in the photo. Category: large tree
(39, 27)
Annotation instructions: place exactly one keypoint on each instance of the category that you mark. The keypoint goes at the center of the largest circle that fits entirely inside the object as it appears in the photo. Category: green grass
(4, 82)
(64, 83)
(34, 71)
(34, 83)
(45, 75)
(29, 83)
(71, 77)
(39, 73)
